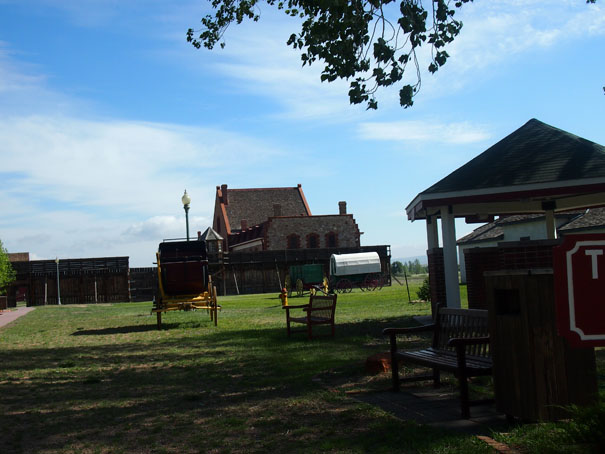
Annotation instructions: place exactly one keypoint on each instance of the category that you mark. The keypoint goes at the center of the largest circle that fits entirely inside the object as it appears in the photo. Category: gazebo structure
(536, 169)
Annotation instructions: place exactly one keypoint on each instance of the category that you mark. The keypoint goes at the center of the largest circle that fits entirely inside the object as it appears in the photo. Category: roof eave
(417, 209)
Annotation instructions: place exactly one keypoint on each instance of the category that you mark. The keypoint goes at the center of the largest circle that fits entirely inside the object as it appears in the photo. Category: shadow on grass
(225, 391)
(123, 330)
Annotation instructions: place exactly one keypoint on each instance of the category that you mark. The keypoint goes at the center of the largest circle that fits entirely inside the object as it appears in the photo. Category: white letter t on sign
(593, 255)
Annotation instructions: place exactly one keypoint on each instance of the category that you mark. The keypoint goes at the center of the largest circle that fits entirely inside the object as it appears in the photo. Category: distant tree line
(409, 267)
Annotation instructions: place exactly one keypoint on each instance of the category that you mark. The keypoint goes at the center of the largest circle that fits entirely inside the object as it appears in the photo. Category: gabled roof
(256, 205)
(536, 162)
(210, 234)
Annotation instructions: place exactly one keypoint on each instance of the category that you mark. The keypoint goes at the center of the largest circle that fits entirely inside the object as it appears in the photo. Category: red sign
(579, 272)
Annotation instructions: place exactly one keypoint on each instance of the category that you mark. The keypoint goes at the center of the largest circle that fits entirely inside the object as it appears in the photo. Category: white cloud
(13, 78)
(259, 62)
(127, 165)
(498, 32)
(93, 185)
(164, 227)
(423, 131)
(80, 186)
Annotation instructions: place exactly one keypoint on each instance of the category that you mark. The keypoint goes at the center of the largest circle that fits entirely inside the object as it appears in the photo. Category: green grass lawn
(103, 379)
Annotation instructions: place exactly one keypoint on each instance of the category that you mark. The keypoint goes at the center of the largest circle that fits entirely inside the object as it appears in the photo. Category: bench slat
(447, 361)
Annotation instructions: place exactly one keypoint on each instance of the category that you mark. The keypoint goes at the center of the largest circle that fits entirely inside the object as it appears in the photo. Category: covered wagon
(362, 269)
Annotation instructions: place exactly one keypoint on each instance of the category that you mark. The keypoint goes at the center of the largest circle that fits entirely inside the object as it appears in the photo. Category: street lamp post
(58, 286)
(186, 201)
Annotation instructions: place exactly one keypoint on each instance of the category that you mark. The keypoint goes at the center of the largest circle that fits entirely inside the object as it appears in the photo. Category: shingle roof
(594, 218)
(493, 230)
(535, 153)
(487, 232)
(257, 205)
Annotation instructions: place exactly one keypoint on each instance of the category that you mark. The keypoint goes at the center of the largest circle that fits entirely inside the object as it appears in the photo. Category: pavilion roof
(537, 163)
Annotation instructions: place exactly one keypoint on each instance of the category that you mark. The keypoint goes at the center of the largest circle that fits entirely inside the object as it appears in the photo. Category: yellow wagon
(183, 280)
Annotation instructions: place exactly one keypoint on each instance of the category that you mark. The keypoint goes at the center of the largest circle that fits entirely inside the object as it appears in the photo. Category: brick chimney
(244, 223)
(225, 194)
(276, 209)
(342, 208)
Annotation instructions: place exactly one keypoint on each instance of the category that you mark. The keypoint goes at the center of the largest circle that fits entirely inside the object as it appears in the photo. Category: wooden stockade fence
(143, 283)
(110, 280)
(81, 281)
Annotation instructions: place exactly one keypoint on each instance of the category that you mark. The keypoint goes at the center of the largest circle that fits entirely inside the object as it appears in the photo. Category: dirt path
(9, 316)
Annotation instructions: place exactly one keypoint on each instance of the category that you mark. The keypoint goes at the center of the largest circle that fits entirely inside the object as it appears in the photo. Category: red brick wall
(518, 255)
(477, 261)
(527, 254)
(279, 228)
(436, 276)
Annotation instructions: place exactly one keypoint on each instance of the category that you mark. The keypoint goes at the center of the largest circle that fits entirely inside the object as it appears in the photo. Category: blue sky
(107, 114)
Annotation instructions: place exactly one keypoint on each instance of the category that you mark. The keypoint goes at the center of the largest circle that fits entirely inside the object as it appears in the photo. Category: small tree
(424, 292)
(7, 273)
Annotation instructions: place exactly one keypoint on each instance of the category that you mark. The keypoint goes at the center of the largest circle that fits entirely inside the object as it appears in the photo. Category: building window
(293, 241)
(331, 239)
(312, 241)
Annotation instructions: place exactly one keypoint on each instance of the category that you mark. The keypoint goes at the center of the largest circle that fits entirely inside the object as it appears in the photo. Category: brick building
(264, 219)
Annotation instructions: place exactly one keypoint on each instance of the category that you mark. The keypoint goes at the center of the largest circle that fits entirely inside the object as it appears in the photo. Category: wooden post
(407, 286)
(550, 224)
(235, 279)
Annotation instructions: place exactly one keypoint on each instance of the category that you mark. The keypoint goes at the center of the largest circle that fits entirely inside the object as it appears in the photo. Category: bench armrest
(408, 330)
(464, 341)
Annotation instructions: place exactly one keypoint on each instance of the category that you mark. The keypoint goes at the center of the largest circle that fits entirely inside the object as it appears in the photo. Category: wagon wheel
(299, 287)
(371, 282)
(288, 284)
(344, 286)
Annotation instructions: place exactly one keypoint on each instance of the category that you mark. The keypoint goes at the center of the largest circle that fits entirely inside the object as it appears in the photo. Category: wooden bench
(460, 346)
(319, 311)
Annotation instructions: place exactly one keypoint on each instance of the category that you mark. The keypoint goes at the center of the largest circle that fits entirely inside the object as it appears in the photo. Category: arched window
(331, 239)
(293, 241)
(312, 241)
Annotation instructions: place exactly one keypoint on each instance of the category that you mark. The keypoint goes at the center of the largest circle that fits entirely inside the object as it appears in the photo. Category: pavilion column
(450, 259)
(434, 255)
(432, 234)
